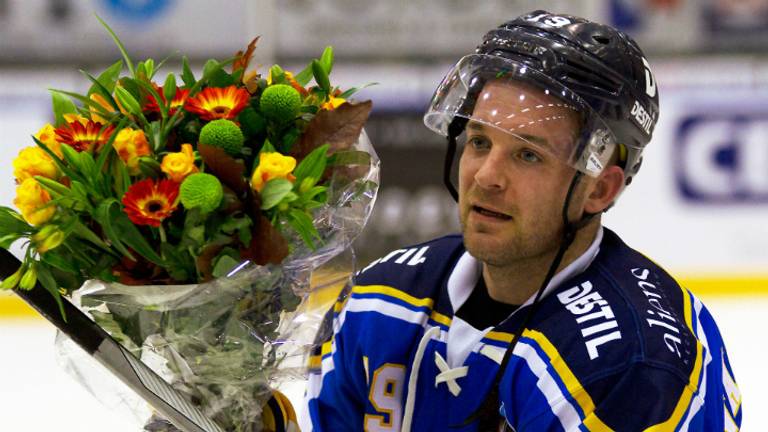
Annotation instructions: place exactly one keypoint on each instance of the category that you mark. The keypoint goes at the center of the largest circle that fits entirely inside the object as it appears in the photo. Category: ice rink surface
(36, 395)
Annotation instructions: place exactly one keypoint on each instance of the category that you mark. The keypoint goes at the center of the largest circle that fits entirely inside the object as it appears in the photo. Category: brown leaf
(268, 246)
(242, 59)
(230, 171)
(205, 260)
(339, 127)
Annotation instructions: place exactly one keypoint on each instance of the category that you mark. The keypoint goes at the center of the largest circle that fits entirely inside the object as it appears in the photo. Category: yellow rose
(33, 161)
(31, 200)
(177, 166)
(130, 144)
(47, 136)
(272, 165)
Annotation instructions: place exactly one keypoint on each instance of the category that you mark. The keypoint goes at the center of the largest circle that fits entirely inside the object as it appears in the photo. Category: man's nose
(491, 174)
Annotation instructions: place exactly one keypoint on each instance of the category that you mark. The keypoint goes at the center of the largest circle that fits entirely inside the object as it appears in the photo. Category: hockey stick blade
(101, 346)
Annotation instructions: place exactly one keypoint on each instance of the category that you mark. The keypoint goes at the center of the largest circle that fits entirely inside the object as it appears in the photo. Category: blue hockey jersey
(616, 344)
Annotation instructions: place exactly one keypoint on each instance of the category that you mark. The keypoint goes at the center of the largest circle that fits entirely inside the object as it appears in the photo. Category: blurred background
(699, 206)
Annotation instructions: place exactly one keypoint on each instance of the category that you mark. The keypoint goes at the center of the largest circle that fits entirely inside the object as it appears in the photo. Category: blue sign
(722, 157)
(138, 10)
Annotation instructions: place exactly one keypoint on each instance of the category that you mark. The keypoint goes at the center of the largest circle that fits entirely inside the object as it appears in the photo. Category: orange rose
(32, 200)
(130, 144)
(272, 165)
(47, 136)
(177, 166)
(33, 161)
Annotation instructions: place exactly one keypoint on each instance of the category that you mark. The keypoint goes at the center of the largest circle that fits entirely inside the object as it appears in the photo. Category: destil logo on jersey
(581, 301)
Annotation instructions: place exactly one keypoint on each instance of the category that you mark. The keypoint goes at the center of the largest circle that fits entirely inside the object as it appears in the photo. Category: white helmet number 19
(550, 20)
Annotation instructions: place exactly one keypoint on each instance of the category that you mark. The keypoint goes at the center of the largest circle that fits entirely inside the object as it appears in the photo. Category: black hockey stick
(101, 346)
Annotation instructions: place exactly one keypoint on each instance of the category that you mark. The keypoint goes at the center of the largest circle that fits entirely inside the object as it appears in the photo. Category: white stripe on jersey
(701, 335)
(558, 402)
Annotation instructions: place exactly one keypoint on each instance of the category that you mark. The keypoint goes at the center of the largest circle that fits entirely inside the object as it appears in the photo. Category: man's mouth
(490, 213)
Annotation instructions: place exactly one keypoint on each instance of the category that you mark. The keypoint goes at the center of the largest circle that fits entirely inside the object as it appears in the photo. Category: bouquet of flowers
(185, 215)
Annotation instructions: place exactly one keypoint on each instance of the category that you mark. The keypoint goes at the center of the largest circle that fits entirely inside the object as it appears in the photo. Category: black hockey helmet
(591, 68)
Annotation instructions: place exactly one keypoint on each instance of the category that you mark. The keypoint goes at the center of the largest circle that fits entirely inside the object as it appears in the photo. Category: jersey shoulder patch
(419, 270)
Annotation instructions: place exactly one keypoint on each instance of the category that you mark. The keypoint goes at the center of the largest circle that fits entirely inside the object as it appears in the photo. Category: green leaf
(127, 100)
(73, 158)
(108, 78)
(55, 260)
(302, 223)
(210, 67)
(186, 73)
(223, 265)
(62, 105)
(46, 279)
(169, 88)
(120, 46)
(313, 192)
(86, 233)
(267, 147)
(149, 66)
(152, 91)
(274, 192)
(103, 217)
(89, 166)
(53, 187)
(102, 91)
(349, 157)
(7, 240)
(133, 237)
(86, 102)
(12, 223)
(353, 90)
(313, 165)
(321, 76)
(304, 76)
(326, 60)
(277, 74)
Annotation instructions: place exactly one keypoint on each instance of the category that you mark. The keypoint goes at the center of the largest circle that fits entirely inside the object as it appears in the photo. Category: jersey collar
(468, 269)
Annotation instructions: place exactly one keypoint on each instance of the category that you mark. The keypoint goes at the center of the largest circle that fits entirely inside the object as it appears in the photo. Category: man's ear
(605, 189)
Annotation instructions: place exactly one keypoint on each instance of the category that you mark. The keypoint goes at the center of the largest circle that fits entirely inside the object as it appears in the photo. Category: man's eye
(529, 156)
(479, 143)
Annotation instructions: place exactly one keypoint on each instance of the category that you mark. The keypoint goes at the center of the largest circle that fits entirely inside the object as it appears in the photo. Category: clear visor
(493, 92)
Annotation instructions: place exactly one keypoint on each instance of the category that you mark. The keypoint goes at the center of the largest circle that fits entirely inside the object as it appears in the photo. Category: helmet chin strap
(488, 409)
(454, 130)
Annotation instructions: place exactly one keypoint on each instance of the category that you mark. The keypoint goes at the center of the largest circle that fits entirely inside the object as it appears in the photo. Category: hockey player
(536, 318)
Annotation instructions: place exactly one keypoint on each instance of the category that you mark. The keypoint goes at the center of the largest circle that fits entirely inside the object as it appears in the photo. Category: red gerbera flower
(215, 103)
(148, 202)
(84, 135)
(178, 101)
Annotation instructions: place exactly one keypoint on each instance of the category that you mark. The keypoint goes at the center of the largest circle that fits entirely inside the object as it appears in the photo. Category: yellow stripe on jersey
(395, 293)
(440, 318)
(499, 336)
(693, 381)
(572, 384)
(315, 361)
(326, 348)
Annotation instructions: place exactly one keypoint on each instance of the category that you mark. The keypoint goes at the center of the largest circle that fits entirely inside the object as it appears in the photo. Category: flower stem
(161, 230)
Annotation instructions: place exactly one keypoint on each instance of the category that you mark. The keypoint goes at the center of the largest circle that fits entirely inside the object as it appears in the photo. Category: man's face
(511, 186)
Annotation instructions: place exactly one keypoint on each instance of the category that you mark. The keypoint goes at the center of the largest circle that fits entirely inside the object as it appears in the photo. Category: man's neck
(515, 283)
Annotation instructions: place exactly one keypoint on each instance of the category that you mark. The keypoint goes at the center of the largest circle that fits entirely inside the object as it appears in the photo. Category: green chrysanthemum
(280, 102)
(201, 190)
(223, 133)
